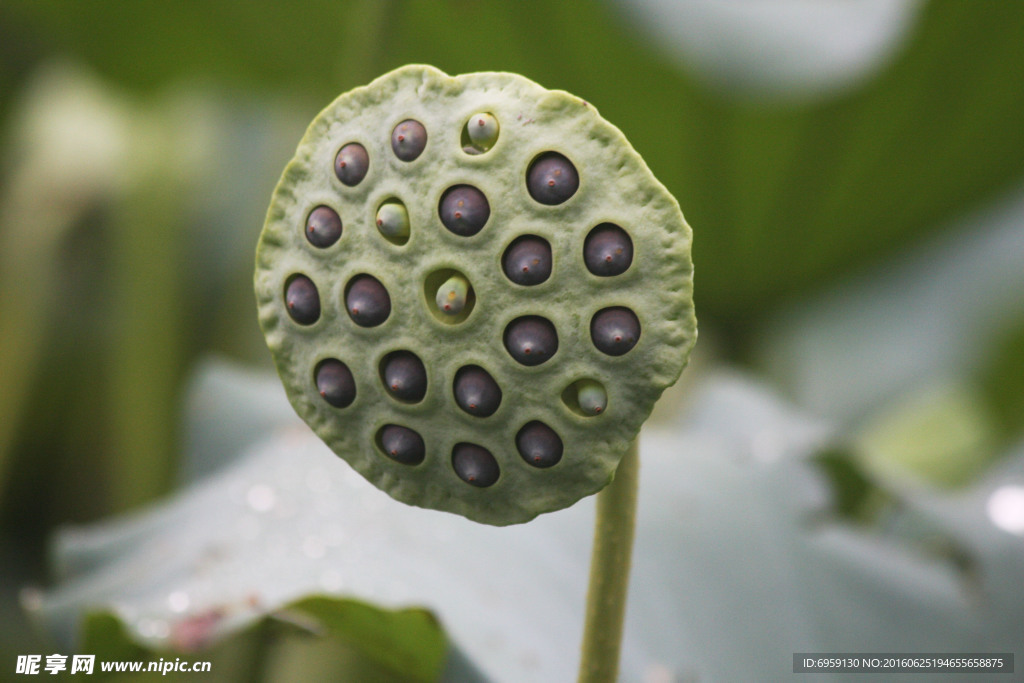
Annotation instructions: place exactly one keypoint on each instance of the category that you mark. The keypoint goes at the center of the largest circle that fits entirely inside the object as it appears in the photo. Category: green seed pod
(557, 171)
(452, 295)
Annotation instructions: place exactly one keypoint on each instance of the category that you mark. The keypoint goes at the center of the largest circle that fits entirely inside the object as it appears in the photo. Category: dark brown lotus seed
(367, 301)
(531, 340)
(464, 210)
(408, 139)
(539, 445)
(608, 250)
(527, 261)
(323, 227)
(335, 383)
(552, 179)
(405, 378)
(615, 330)
(476, 392)
(402, 444)
(302, 300)
(351, 164)
(474, 464)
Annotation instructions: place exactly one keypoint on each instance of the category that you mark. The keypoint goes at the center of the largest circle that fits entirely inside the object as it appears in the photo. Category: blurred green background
(143, 141)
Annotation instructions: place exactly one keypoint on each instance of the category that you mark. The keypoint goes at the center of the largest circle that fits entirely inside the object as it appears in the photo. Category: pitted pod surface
(474, 291)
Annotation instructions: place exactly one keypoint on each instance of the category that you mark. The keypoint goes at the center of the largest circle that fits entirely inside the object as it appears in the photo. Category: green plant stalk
(609, 571)
(147, 342)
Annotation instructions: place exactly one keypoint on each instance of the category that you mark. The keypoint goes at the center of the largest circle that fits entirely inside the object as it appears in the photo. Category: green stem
(609, 572)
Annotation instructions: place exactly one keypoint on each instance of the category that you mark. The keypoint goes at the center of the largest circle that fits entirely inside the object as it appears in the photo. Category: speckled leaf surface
(615, 187)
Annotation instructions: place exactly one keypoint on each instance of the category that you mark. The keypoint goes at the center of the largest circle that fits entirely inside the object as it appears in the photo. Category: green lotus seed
(452, 295)
(482, 131)
(393, 220)
(591, 396)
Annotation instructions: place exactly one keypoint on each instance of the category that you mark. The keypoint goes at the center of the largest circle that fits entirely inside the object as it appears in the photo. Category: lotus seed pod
(351, 164)
(475, 465)
(408, 139)
(302, 300)
(464, 210)
(615, 331)
(335, 383)
(557, 172)
(552, 178)
(452, 295)
(476, 392)
(402, 444)
(608, 250)
(482, 130)
(393, 220)
(527, 261)
(591, 397)
(367, 301)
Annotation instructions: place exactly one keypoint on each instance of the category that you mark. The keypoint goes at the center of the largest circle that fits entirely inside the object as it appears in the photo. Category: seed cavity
(404, 376)
(475, 465)
(448, 295)
(527, 261)
(367, 301)
(608, 250)
(552, 179)
(531, 340)
(323, 227)
(393, 221)
(408, 139)
(464, 210)
(334, 383)
(615, 330)
(351, 164)
(302, 300)
(538, 444)
(476, 392)
(401, 444)
(451, 297)
(480, 133)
